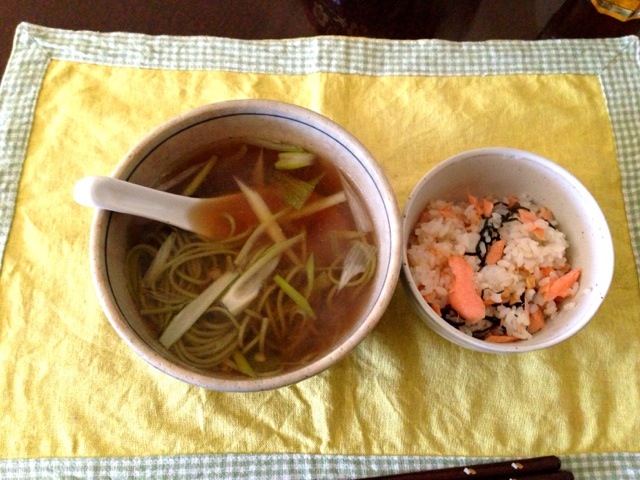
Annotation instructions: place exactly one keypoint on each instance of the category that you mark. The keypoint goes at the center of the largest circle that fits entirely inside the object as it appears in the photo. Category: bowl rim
(173, 126)
(442, 328)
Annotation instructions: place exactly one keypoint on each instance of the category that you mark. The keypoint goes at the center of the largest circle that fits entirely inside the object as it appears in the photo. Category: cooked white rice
(534, 254)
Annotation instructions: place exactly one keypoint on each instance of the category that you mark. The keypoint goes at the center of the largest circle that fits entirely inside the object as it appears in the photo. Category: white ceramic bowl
(170, 142)
(500, 172)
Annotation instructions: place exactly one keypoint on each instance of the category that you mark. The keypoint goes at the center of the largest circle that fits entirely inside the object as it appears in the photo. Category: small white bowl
(172, 141)
(501, 172)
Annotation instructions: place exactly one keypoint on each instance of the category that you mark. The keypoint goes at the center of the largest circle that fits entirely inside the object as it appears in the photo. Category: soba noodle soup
(284, 278)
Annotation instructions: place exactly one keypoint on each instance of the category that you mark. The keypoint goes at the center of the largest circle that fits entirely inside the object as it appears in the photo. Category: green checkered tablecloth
(616, 62)
(609, 466)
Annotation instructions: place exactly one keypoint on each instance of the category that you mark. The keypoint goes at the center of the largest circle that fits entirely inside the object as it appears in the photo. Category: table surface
(262, 19)
(478, 20)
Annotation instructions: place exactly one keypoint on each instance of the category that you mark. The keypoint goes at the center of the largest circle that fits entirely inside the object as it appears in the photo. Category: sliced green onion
(253, 238)
(359, 212)
(194, 310)
(294, 295)
(247, 287)
(160, 260)
(179, 178)
(358, 260)
(271, 144)
(348, 234)
(294, 160)
(310, 269)
(257, 176)
(317, 206)
(242, 330)
(243, 364)
(261, 209)
(249, 346)
(199, 178)
(292, 190)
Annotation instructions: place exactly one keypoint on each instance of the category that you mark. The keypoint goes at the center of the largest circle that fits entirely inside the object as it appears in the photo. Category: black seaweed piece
(519, 303)
(511, 219)
(490, 291)
(481, 334)
(513, 209)
(498, 331)
(489, 232)
(452, 317)
(488, 235)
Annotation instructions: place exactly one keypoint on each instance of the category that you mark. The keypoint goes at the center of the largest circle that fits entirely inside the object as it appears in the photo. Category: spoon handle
(108, 193)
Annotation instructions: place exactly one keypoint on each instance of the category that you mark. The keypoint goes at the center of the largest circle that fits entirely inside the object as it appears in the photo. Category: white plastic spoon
(212, 217)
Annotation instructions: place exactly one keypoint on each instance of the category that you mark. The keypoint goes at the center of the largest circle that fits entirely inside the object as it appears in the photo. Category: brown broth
(301, 340)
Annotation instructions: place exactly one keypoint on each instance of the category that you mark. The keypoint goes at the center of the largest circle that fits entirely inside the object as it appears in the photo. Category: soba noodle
(304, 305)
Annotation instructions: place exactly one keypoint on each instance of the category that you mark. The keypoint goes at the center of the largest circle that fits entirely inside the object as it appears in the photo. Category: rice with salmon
(496, 269)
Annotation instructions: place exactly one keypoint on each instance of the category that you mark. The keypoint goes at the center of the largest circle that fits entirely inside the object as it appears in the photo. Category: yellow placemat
(70, 386)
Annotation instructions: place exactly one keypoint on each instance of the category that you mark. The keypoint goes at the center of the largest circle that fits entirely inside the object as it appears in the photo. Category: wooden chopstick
(559, 475)
(538, 468)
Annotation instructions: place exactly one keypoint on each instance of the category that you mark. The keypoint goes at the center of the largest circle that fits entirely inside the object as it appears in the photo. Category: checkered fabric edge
(604, 466)
(615, 61)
